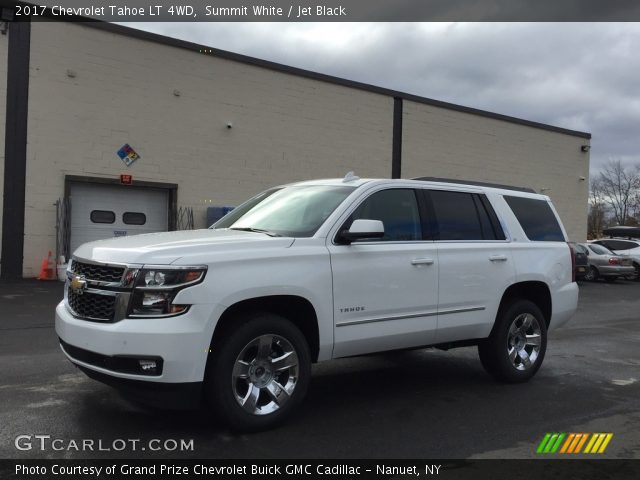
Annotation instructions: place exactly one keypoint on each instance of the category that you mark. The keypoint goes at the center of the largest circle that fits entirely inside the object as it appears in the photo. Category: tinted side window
(102, 216)
(397, 209)
(457, 216)
(536, 218)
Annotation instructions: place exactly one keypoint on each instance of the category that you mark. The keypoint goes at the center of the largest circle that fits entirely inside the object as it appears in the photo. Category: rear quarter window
(536, 218)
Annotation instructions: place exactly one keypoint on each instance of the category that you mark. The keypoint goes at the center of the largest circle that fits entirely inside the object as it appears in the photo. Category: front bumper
(182, 343)
(165, 395)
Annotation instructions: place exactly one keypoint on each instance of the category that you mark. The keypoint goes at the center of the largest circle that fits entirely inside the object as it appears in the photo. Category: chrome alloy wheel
(523, 341)
(265, 374)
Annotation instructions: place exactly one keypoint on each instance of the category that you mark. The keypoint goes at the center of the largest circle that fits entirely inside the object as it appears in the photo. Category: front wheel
(515, 349)
(259, 372)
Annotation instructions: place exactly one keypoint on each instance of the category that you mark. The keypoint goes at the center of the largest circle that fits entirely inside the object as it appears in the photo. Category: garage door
(106, 211)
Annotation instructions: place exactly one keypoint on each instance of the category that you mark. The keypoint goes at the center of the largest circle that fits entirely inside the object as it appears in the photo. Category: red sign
(126, 179)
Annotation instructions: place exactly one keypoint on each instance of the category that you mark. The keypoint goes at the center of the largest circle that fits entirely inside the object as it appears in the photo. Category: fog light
(148, 366)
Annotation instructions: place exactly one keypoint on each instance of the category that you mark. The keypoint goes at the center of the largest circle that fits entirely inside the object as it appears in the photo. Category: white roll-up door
(106, 211)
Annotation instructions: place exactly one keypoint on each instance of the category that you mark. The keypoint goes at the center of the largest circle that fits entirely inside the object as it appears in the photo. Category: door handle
(422, 261)
(498, 258)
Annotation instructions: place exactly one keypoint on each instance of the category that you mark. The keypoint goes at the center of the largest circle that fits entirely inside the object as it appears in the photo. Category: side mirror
(362, 229)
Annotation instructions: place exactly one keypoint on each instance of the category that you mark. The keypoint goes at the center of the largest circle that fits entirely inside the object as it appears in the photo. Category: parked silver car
(624, 247)
(606, 264)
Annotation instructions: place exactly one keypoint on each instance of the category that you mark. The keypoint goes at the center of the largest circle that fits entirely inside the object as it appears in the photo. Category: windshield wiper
(256, 230)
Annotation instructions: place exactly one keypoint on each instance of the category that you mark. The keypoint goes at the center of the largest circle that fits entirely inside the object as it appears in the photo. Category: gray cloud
(582, 76)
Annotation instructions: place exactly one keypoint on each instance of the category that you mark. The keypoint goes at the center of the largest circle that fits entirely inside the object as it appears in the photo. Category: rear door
(475, 263)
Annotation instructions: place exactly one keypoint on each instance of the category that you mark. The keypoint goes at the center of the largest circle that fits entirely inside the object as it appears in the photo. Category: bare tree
(597, 208)
(619, 187)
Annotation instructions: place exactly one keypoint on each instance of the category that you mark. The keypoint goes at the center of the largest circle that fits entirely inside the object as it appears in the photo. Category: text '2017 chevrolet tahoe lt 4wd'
(235, 314)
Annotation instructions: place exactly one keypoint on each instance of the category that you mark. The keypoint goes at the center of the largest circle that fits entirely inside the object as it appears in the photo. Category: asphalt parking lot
(416, 404)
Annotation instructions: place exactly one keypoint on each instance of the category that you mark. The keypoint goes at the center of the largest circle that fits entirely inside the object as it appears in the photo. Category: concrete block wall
(93, 91)
(439, 142)
(4, 43)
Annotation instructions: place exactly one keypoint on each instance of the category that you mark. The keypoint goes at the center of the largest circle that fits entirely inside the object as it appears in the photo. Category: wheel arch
(298, 310)
(535, 291)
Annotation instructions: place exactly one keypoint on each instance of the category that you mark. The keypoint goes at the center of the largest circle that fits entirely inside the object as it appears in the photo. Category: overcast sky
(581, 76)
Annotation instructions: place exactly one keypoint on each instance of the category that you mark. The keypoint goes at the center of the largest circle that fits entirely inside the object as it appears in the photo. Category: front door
(386, 290)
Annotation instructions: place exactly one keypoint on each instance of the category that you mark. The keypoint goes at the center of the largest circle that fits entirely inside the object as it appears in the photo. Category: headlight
(154, 278)
(157, 287)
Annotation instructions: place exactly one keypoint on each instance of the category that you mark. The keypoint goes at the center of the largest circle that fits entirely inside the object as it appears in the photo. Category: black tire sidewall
(218, 388)
(493, 351)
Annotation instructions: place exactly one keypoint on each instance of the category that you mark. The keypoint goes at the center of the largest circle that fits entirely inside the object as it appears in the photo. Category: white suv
(311, 271)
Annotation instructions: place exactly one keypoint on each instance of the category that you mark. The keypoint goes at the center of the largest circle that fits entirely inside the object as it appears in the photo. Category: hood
(167, 247)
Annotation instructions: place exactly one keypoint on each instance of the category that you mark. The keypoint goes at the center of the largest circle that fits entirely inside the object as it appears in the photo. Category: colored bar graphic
(604, 445)
(573, 443)
(590, 444)
(598, 443)
(543, 443)
(582, 442)
(551, 443)
(556, 445)
(565, 447)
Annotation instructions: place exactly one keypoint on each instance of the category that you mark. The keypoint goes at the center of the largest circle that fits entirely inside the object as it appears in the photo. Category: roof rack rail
(479, 184)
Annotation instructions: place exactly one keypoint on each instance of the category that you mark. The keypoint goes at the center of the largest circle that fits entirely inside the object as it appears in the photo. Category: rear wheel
(260, 372)
(592, 274)
(516, 347)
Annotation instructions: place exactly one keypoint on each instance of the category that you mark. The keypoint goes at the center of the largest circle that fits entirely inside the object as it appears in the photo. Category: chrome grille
(100, 273)
(92, 306)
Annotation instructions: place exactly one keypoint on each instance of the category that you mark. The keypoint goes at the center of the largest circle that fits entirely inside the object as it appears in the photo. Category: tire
(592, 274)
(516, 347)
(259, 372)
(635, 276)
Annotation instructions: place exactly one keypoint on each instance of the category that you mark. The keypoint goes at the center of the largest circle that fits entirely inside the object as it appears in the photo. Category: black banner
(307, 469)
(328, 10)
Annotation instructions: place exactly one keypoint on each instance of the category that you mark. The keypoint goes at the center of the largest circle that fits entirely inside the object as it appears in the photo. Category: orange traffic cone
(47, 269)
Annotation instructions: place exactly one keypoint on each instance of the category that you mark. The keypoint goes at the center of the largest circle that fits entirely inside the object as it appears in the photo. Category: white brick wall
(439, 142)
(4, 43)
(285, 128)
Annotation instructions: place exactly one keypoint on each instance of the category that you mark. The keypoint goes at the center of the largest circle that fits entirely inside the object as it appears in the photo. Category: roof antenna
(350, 177)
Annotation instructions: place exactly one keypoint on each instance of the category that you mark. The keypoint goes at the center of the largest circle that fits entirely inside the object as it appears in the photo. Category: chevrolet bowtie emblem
(78, 284)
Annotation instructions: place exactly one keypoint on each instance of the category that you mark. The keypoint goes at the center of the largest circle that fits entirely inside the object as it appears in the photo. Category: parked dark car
(581, 266)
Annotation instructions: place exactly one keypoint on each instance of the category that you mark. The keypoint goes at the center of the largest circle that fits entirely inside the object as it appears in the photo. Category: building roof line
(237, 57)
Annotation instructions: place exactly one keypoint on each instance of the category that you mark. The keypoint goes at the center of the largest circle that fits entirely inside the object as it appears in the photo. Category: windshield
(296, 211)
